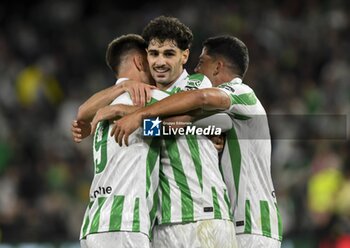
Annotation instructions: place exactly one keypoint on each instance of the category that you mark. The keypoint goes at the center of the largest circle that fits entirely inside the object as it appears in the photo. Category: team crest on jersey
(193, 84)
(151, 127)
(227, 86)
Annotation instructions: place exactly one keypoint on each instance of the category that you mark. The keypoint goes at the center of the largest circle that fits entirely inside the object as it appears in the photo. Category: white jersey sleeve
(244, 102)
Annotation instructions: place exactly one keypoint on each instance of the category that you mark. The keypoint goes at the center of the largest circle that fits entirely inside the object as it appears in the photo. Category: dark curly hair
(232, 49)
(122, 45)
(168, 28)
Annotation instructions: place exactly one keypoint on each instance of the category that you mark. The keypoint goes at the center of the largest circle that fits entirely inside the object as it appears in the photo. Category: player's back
(125, 180)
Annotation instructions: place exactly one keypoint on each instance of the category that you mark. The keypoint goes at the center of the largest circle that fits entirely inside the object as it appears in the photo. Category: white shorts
(116, 240)
(203, 234)
(256, 241)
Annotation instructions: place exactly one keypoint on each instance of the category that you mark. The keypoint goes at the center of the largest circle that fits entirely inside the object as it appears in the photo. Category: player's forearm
(173, 105)
(100, 99)
(183, 102)
(123, 110)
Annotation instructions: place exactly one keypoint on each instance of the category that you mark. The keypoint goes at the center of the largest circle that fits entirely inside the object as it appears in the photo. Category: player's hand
(80, 130)
(124, 127)
(218, 141)
(106, 113)
(139, 92)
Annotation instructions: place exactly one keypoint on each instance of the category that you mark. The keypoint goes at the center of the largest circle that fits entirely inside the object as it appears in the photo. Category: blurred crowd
(52, 59)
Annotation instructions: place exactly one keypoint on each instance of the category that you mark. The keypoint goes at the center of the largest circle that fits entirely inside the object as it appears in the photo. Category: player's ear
(138, 61)
(185, 55)
(218, 67)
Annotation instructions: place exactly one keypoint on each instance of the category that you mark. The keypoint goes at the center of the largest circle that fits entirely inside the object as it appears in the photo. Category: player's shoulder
(234, 86)
(123, 99)
(197, 81)
(158, 95)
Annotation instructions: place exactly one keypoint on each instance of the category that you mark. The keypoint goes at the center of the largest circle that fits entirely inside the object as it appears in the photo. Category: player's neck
(224, 78)
(131, 74)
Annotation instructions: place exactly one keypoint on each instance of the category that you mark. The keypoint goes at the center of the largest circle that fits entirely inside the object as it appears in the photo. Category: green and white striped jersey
(191, 187)
(246, 164)
(123, 194)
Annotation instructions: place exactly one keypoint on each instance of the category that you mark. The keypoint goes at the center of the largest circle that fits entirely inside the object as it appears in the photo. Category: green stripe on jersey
(235, 156)
(180, 179)
(217, 212)
(87, 220)
(152, 155)
(115, 221)
(227, 201)
(265, 218)
(194, 149)
(96, 219)
(136, 220)
(241, 117)
(175, 90)
(248, 218)
(280, 227)
(153, 100)
(244, 99)
(152, 213)
(166, 201)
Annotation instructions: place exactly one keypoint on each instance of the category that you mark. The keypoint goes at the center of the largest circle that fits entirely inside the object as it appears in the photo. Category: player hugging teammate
(173, 190)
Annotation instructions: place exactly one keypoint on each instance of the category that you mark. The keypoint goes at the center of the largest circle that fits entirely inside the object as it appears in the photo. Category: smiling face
(166, 61)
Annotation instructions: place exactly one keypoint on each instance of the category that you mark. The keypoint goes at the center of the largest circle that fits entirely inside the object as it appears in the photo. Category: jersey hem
(84, 238)
(276, 237)
(188, 220)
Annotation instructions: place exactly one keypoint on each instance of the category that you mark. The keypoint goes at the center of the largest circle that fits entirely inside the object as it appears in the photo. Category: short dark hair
(168, 28)
(122, 45)
(232, 49)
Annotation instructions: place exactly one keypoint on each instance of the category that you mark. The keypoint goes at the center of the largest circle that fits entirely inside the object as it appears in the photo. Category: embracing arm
(206, 99)
(100, 99)
(140, 93)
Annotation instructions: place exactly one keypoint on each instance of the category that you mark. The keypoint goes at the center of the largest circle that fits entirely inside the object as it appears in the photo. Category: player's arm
(206, 99)
(139, 93)
(183, 102)
(112, 112)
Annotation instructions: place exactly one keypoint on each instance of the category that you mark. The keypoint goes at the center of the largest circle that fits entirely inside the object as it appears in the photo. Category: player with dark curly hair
(193, 202)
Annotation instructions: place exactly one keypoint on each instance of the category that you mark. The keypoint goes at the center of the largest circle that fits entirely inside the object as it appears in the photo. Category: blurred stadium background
(52, 58)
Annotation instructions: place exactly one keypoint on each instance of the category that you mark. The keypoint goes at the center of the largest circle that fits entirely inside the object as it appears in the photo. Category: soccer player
(123, 191)
(246, 159)
(193, 204)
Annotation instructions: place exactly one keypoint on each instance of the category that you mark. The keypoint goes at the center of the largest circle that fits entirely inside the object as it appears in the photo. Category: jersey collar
(178, 82)
(236, 80)
(119, 80)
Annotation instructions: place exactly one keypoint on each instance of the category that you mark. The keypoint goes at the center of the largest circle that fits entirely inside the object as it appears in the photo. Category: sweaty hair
(230, 48)
(121, 46)
(168, 28)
